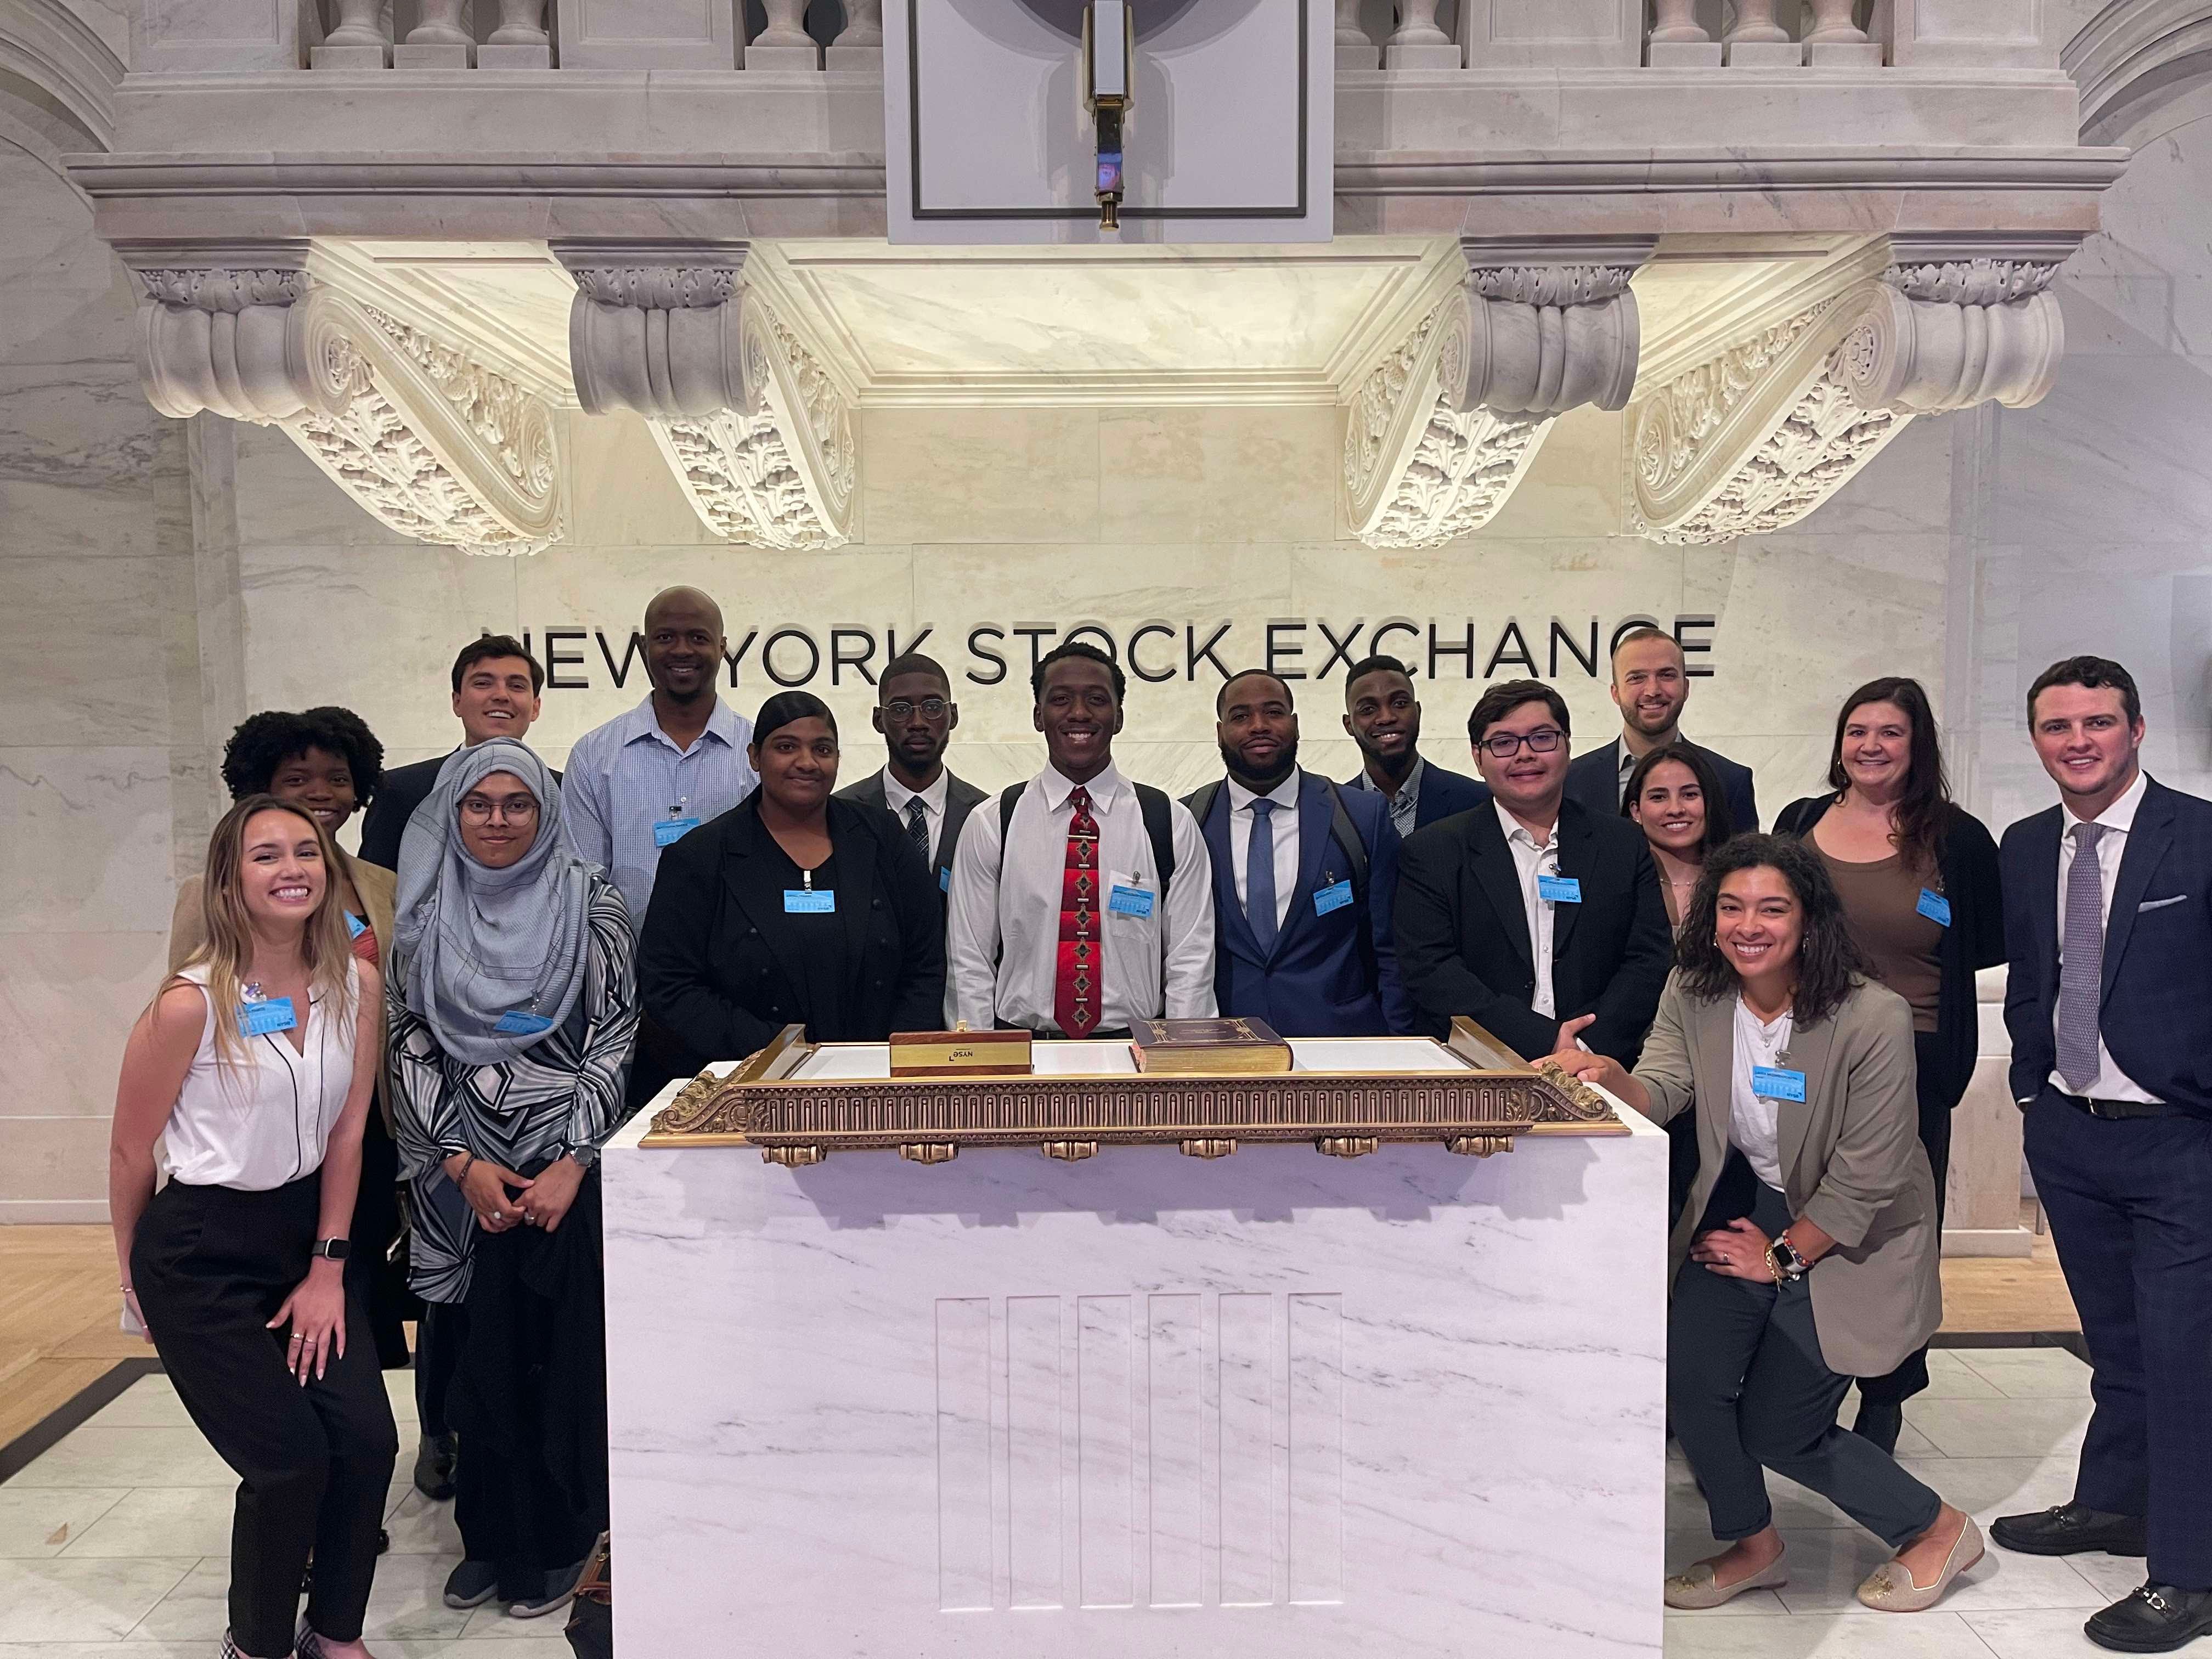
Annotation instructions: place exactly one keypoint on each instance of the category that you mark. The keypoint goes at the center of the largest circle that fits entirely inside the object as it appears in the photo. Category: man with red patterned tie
(1081, 901)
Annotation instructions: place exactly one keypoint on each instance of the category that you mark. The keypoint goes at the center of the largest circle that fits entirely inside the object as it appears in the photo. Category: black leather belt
(2119, 1107)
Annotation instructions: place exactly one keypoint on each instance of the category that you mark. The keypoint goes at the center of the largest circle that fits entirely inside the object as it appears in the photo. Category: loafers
(2070, 1529)
(1890, 1586)
(1697, 1587)
(2153, 1618)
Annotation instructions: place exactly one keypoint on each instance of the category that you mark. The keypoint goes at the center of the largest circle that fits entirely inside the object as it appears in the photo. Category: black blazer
(1966, 868)
(1595, 780)
(961, 798)
(706, 971)
(2156, 1016)
(1463, 945)
(404, 789)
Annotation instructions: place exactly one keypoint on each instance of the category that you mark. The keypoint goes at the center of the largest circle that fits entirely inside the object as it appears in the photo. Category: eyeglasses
(1541, 741)
(933, 708)
(521, 810)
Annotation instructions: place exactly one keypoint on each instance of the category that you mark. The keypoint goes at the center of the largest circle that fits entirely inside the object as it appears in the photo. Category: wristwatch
(1783, 1260)
(337, 1249)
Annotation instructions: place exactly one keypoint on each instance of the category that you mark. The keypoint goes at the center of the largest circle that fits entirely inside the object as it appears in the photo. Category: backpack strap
(1159, 829)
(1200, 800)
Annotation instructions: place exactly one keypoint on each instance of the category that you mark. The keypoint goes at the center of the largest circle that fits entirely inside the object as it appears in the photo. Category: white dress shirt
(2111, 1083)
(1002, 934)
(1282, 826)
(1754, 1120)
(897, 795)
(1532, 858)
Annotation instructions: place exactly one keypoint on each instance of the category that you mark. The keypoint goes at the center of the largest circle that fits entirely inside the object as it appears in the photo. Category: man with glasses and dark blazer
(916, 713)
(1532, 909)
(2108, 916)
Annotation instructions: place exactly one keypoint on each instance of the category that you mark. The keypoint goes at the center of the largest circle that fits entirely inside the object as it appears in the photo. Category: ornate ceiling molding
(430, 440)
(1439, 434)
(756, 428)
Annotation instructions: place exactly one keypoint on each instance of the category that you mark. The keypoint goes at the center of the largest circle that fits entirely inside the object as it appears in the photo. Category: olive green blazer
(1851, 1161)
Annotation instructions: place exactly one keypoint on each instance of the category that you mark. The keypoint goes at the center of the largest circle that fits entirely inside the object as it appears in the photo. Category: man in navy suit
(1384, 719)
(1304, 877)
(2108, 911)
(1651, 684)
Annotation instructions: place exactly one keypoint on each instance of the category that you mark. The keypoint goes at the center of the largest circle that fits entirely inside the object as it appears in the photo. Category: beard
(1285, 762)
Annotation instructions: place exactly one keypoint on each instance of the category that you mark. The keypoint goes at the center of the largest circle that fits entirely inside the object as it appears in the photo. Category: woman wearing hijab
(793, 908)
(513, 1006)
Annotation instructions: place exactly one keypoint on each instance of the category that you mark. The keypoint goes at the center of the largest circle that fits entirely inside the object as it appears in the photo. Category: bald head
(684, 646)
(687, 602)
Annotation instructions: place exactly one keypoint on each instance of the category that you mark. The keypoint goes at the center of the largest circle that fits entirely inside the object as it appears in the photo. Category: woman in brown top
(1918, 878)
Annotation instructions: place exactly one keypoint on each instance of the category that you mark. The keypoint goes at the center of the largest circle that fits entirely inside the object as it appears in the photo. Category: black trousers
(438, 1335)
(380, 1282)
(211, 1266)
(529, 1399)
(2129, 1201)
(1936, 1105)
(1747, 1391)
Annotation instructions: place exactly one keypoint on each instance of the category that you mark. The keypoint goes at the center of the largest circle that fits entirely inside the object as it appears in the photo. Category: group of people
(518, 959)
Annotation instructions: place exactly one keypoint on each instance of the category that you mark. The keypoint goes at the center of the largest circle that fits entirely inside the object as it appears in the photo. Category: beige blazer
(1851, 1161)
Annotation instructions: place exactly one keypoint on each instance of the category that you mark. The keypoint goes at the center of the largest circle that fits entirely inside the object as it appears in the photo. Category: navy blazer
(1463, 945)
(1317, 980)
(1443, 792)
(2156, 1012)
(1595, 780)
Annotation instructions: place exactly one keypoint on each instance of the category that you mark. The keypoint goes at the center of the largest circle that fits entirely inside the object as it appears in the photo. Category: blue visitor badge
(1129, 901)
(945, 879)
(668, 831)
(262, 1016)
(1775, 1083)
(354, 926)
(806, 901)
(1935, 906)
(1559, 890)
(520, 1021)
(1333, 897)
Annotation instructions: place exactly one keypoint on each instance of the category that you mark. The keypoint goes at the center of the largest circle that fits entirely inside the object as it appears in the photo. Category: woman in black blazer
(793, 906)
(1918, 878)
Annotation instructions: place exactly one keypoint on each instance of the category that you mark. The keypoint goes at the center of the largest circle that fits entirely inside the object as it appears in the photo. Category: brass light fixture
(1109, 48)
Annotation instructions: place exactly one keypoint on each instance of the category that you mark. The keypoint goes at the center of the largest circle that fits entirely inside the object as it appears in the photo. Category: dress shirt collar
(1284, 795)
(1409, 790)
(1629, 756)
(1516, 830)
(1103, 789)
(724, 725)
(2120, 816)
(897, 794)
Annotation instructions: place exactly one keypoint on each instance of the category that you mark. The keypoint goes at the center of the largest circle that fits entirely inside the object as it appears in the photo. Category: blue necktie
(1260, 875)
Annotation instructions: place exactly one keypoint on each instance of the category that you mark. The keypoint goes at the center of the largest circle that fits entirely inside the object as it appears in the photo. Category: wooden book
(960, 1054)
(1208, 1047)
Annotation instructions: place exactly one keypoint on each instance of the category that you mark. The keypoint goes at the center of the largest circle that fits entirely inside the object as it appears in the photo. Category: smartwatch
(1783, 1258)
(336, 1249)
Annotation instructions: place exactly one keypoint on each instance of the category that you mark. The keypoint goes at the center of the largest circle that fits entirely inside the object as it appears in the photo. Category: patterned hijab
(480, 943)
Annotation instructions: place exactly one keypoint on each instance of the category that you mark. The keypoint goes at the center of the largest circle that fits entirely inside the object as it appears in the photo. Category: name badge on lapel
(1559, 890)
(1335, 897)
(260, 1016)
(1772, 1083)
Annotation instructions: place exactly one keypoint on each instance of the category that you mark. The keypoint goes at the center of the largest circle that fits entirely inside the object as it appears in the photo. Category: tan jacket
(1851, 1161)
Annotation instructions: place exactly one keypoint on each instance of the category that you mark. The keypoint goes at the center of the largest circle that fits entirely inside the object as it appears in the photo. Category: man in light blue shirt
(648, 777)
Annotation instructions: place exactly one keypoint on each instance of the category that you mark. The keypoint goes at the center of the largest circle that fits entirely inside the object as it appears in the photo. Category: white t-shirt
(1754, 1120)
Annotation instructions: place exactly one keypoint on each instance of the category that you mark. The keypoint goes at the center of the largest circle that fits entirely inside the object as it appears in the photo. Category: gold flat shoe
(1697, 1587)
(1889, 1588)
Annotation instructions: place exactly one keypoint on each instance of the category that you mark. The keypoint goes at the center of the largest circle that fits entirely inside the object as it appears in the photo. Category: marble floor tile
(490, 1623)
(83, 1601)
(1936, 1634)
(2109, 1576)
(129, 1456)
(400, 1387)
(1954, 1381)
(37, 1522)
(1826, 1569)
(162, 1520)
(151, 1402)
(2038, 1633)
(419, 1526)
(196, 1609)
(1997, 1428)
(1986, 1487)
(405, 1604)
(2031, 1373)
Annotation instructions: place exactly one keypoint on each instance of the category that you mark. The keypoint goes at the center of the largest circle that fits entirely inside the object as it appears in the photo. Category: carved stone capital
(437, 446)
(1925, 353)
(655, 328)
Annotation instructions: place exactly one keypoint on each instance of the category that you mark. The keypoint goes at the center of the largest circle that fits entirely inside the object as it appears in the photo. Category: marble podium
(1141, 1405)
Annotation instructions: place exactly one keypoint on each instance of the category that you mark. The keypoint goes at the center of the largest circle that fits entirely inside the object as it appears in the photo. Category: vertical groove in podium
(1246, 1484)
(1175, 1365)
(1104, 1377)
(1034, 1438)
(1316, 1400)
(964, 1454)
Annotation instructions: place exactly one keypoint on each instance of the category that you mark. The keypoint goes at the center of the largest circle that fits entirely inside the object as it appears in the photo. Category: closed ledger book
(1208, 1047)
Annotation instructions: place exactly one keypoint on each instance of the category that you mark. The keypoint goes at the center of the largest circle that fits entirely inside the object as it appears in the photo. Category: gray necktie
(917, 826)
(2081, 973)
(1260, 875)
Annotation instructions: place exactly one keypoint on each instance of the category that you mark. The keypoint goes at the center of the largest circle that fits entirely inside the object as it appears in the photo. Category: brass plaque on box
(960, 1054)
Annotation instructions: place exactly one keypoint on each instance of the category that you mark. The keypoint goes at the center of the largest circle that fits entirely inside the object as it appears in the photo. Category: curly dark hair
(1828, 964)
(266, 741)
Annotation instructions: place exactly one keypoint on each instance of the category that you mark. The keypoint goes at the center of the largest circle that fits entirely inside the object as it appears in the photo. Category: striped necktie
(2081, 972)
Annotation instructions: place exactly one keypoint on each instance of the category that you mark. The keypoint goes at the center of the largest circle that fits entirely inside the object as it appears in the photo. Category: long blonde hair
(325, 944)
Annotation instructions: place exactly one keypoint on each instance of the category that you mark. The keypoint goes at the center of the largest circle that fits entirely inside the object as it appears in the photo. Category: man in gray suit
(915, 713)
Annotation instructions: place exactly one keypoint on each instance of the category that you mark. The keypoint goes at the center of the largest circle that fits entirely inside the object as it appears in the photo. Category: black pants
(211, 1266)
(1936, 1104)
(380, 1282)
(1747, 1389)
(529, 1399)
(2130, 1206)
(438, 1336)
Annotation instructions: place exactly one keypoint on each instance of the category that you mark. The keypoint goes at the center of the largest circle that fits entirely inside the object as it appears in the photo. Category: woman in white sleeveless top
(253, 1070)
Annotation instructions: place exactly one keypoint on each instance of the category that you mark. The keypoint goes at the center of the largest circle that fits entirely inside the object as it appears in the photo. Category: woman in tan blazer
(1806, 1253)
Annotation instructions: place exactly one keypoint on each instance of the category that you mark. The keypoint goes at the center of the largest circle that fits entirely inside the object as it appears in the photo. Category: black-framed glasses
(1541, 741)
(932, 708)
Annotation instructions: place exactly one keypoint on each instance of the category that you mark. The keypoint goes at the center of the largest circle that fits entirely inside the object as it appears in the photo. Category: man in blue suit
(1304, 877)
(1384, 718)
(2108, 913)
